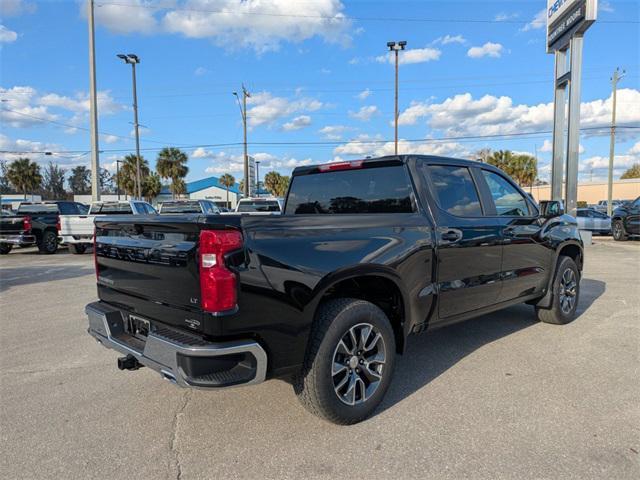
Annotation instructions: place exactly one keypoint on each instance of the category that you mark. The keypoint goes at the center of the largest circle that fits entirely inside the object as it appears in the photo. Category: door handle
(451, 235)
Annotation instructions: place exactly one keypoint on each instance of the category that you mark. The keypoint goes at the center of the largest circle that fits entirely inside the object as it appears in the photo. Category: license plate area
(137, 327)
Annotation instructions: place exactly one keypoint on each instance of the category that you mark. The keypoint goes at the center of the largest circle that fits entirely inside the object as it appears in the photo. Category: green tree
(80, 180)
(53, 182)
(521, 167)
(24, 175)
(172, 163)
(228, 181)
(151, 186)
(271, 182)
(106, 181)
(632, 172)
(481, 154)
(283, 186)
(5, 186)
(127, 174)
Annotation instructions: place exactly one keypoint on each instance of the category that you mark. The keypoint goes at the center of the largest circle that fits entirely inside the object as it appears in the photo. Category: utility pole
(257, 178)
(617, 76)
(93, 107)
(396, 47)
(243, 113)
(118, 162)
(132, 59)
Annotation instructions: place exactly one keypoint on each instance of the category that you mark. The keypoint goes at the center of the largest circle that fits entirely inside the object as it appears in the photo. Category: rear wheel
(566, 293)
(618, 231)
(5, 248)
(77, 249)
(48, 243)
(349, 361)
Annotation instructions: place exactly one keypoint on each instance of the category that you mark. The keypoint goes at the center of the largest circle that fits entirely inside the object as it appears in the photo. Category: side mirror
(551, 208)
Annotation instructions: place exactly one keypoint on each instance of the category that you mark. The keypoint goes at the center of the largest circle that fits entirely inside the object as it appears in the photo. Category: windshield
(259, 206)
(180, 207)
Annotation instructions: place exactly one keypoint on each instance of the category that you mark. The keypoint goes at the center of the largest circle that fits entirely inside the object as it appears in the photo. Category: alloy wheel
(568, 290)
(358, 364)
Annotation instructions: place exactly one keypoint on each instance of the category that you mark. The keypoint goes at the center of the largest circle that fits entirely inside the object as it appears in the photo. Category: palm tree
(271, 182)
(228, 181)
(172, 163)
(127, 174)
(283, 186)
(151, 186)
(521, 167)
(24, 175)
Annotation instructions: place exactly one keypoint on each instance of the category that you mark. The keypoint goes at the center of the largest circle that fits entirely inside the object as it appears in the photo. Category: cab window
(455, 190)
(508, 200)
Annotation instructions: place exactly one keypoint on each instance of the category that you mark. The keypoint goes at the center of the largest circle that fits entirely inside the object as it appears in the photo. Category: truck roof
(388, 159)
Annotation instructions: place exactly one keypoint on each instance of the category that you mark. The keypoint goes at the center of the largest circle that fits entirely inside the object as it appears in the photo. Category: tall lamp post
(396, 47)
(118, 162)
(132, 59)
(243, 113)
(257, 178)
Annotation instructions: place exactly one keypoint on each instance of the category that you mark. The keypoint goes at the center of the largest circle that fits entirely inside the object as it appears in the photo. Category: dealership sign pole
(567, 20)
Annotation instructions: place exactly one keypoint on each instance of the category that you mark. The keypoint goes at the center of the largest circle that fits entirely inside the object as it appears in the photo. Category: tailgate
(149, 263)
(76, 225)
(11, 225)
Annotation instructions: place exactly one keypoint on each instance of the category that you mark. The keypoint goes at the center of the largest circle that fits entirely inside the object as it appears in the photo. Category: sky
(320, 78)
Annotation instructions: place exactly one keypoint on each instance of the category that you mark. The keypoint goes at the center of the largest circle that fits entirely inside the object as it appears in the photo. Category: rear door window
(455, 190)
(367, 190)
(112, 209)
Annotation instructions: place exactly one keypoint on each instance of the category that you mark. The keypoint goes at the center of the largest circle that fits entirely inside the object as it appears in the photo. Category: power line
(344, 18)
(463, 138)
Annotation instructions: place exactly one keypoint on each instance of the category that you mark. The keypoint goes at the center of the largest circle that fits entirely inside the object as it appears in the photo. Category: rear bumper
(182, 358)
(76, 239)
(18, 239)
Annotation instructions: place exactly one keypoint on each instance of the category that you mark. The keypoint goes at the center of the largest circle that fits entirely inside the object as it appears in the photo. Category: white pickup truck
(76, 231)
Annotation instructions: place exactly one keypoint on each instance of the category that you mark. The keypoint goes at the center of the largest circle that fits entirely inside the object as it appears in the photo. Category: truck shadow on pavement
(429, 355)
(14, 277)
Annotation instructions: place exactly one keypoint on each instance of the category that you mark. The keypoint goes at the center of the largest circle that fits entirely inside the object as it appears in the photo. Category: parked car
(594, 221)
(602, 205)
(260, 206)
(206, 207)
(626, 220)
(76, 231)
(366, 253)
(36, 224)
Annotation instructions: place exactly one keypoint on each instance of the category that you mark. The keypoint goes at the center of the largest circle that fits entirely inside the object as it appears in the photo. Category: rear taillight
(217, 283)
(58, 226)
(26, 224)
(335, 166)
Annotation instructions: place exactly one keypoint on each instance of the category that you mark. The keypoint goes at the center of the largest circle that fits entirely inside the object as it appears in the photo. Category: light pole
(257, 178)
(118, 162)
(617, 76)
(93, 107)
(243, 113)
(396, 47)
(132, 59)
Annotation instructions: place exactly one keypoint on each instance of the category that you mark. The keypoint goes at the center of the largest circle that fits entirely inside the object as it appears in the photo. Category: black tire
(77, 249)
(318, 385)
(618, 231)
(563, 308)
(5, 248)
(48, 244)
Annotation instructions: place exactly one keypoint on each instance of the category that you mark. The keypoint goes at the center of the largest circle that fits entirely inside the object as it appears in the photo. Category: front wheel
(48, 243)
(5, 248)
(349, 361)
(566, 293)
(618, 231)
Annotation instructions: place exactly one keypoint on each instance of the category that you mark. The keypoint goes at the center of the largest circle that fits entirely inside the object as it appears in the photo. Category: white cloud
(31, 149)
(10, 8)
(604, 6)
(365, 113)
(135, 16)
(333, 132)
(142, 131)
(363, 95)
(6, 35)
(297, 123)
(109, 138)
(547, 146)
(222, 162)
(414, 55)
(635, 150)
(502, 16)
(447, 39)
(258, 24)
(366, 145)
(539, 21)
(266, 108)
(489, 49)
(463, 114)
(198, 72)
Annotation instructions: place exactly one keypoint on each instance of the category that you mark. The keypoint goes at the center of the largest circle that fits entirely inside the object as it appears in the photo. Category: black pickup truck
(36, 224)
(366, 253)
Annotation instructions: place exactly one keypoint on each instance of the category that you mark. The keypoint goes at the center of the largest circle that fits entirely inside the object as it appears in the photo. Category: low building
(208, 188)
(592, 192)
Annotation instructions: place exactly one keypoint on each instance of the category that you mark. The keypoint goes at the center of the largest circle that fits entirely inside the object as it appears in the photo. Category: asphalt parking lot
(501, 396)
